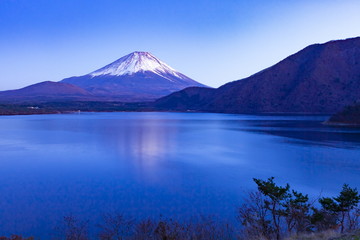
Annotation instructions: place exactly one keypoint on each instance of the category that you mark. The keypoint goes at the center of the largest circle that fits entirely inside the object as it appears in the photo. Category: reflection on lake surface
(147, 164)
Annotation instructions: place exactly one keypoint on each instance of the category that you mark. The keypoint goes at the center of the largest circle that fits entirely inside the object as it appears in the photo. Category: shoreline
(341, 124)
(157, 110)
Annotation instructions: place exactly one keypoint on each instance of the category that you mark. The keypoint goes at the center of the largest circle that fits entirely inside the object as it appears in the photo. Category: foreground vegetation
(272, 212)
(277, 212)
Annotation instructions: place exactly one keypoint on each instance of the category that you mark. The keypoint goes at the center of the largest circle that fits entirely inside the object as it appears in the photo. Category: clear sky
(211, 41)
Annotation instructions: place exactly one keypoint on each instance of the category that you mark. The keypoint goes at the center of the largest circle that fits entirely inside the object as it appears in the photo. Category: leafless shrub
(255, 218)
(145, 230)
(170, 229)
(115, 227)
(210, 228)
(72, 229)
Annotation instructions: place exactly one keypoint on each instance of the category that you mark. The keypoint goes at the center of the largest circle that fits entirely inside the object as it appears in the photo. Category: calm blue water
(147, 164)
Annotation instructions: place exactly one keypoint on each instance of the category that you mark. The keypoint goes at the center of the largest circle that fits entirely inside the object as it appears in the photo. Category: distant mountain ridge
(46, 91)
(321, 78)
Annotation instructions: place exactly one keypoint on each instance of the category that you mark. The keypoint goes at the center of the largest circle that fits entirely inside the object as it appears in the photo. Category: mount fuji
(138, 76)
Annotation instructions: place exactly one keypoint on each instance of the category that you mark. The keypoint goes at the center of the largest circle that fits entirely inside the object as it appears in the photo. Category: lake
(152, 164)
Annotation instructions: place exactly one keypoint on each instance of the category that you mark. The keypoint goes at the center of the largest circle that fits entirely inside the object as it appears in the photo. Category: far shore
(8, 109)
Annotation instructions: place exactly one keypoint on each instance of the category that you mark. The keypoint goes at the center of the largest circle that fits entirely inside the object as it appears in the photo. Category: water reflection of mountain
(142, 144)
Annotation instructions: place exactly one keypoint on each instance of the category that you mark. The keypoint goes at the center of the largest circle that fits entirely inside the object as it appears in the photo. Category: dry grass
(349, 236)
(325, 235)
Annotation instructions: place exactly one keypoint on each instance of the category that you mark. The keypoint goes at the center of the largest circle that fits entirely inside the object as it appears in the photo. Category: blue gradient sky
(211, 41)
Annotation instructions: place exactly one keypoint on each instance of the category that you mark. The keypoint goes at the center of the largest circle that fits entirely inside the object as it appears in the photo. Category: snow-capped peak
(137, 62)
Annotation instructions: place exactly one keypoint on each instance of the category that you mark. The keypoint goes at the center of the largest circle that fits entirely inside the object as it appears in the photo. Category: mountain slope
(138, 76)
(321, 78)
(189, 99)
(45, 91)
